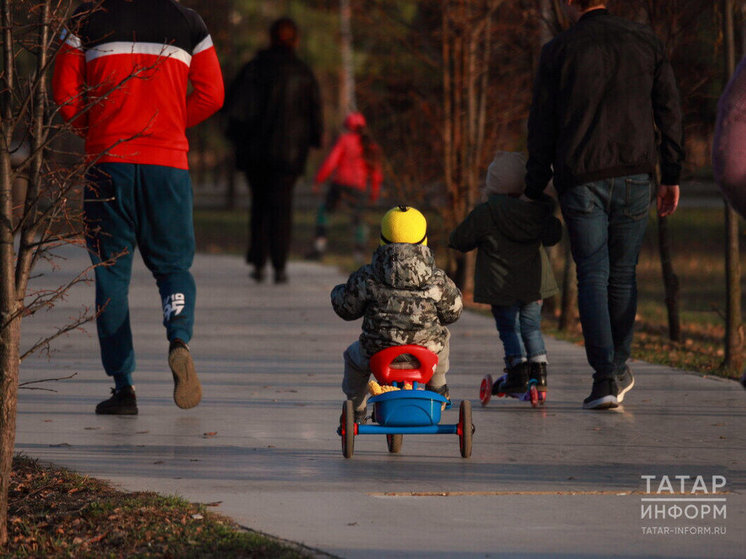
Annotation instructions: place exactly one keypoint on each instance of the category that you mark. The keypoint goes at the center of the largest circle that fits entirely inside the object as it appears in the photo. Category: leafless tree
(41, 183)
(347, 99)
(733, 358)
(466, 52)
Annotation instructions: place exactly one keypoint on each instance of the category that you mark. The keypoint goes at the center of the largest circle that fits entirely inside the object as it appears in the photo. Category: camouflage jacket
(403, 299)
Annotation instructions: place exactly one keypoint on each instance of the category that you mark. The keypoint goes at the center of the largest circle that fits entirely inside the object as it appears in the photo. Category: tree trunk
(733, 327)
(9, 331)
(670, 281)
(347, 101)
(10, 337)
(466, 50)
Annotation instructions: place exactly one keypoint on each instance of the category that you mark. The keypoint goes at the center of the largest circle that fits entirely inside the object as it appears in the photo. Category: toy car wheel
(347, 427)
(394, 442)
(534, 395)
(465, 428)
(485, 390)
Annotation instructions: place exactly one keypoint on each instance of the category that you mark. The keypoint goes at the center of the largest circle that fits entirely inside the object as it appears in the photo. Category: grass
(698, 260)
(54, 513)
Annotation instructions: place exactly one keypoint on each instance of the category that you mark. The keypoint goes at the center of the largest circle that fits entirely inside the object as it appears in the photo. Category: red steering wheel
(380, 364)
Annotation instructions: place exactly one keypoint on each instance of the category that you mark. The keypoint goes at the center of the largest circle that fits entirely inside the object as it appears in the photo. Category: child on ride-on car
(403, 299)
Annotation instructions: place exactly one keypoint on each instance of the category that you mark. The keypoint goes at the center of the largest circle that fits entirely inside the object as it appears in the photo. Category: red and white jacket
(121, 78)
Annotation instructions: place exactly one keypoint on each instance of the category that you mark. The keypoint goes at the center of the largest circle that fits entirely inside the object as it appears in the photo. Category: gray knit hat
(506, 174)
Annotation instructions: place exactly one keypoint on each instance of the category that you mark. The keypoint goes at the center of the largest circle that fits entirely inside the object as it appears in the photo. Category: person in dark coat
(274, 117)
(512, 272)
(604, 90)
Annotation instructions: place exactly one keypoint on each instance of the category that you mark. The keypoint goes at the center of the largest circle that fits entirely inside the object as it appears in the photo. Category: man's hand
(667, 199)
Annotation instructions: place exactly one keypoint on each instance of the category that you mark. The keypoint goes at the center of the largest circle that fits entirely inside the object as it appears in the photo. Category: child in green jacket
(512, 272)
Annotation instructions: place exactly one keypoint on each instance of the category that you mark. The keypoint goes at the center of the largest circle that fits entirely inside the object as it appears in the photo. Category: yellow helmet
(404, 224)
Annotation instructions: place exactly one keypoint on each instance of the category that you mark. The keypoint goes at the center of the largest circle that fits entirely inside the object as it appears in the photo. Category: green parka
(512, 266)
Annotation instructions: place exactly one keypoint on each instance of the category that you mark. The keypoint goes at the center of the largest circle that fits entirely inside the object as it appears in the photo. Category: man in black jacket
(274, 117)
(602, 88)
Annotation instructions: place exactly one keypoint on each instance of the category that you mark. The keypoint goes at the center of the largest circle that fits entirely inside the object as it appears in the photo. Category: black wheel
(347, 427)
(394, 441)
(465, 428)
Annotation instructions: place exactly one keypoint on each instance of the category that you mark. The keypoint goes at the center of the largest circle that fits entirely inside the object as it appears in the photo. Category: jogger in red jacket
(121, 79)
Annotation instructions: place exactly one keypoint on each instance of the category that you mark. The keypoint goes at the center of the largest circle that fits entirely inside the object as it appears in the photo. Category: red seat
(380, 364)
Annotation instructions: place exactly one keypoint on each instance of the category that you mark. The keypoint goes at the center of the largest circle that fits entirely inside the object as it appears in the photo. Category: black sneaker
(281, 276)
(624, 382)
(257, 275)
(187, 389)
(603, 395)
(517, 381)
(122, 402)
(538, 373)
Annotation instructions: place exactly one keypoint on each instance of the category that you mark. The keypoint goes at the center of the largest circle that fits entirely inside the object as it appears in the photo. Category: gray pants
(357, 373)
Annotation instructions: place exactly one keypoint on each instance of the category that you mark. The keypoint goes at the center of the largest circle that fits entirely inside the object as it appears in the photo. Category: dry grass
(54, 513)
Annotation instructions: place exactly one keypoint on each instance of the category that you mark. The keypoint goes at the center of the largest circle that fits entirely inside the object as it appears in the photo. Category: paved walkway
(262, 447)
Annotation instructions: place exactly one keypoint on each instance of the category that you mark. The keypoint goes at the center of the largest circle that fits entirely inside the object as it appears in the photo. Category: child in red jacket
(354, 165)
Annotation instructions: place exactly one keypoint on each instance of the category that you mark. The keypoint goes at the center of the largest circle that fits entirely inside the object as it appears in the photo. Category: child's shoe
(516, 381)
(443, 391)
(538, 373)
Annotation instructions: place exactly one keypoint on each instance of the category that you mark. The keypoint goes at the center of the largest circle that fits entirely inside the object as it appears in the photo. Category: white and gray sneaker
(624, 382)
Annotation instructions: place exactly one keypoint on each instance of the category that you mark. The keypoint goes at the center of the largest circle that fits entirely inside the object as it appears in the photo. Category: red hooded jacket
(346, 164)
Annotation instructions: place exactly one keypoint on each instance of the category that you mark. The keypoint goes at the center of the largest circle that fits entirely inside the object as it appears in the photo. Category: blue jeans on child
(519, 327)
(606, 221)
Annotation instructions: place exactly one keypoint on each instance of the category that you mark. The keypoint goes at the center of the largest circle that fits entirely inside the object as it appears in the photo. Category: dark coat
(512, 266)
(601, 89)
(274, 112)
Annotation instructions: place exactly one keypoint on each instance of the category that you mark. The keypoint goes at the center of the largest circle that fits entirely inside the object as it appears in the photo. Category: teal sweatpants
(148, 206)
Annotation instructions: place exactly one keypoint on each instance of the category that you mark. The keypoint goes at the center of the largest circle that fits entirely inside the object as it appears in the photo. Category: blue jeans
(148, 206)
(519, 327)
(606, 221)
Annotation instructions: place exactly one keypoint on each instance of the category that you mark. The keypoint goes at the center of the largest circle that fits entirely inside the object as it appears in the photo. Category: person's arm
(667, 116)
(467, 234)
(350, 299)
(376, 178)
(331, 162)
(542, 129)
(69, 83)
(208, 91)
(450, 304)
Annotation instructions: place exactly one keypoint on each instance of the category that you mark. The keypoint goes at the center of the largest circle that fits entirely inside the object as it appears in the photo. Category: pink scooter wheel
(485, 390)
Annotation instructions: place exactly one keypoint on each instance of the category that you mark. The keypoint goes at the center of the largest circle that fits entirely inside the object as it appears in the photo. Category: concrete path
(262, 447)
